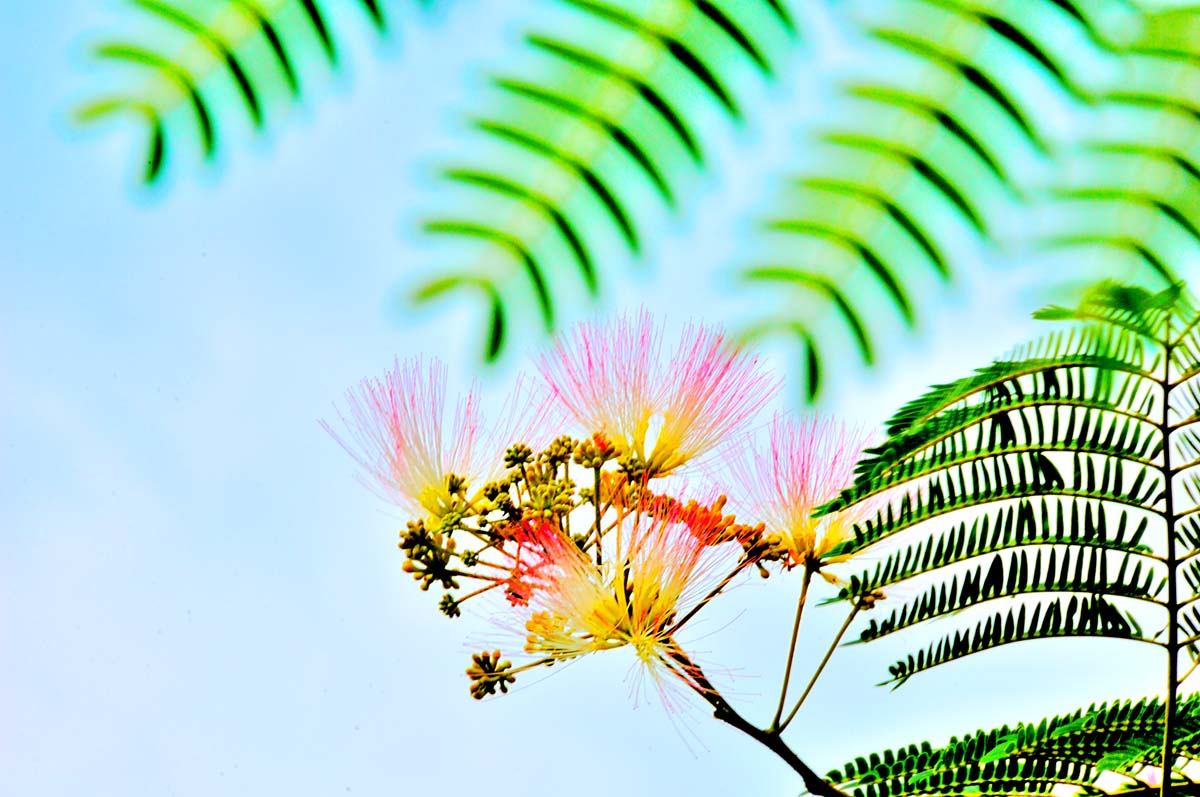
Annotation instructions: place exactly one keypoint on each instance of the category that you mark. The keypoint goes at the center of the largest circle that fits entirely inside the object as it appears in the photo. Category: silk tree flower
(417, 454)
(614, 380)
(526, 555)
(656, 570)
(808, 460)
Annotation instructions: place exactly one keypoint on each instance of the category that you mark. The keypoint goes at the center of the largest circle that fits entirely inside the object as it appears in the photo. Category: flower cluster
(615, 380)
(579, 533)
(805, 464)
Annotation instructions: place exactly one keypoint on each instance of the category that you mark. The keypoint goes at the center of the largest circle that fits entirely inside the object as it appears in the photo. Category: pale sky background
(196, 597)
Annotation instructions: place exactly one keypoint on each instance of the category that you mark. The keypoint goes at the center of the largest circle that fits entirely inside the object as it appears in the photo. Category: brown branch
(698, 681)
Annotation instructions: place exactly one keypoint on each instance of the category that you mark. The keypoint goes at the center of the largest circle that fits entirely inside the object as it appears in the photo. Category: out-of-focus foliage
(202, 57)
(604, 112)
(1064, 128)
(963, 131)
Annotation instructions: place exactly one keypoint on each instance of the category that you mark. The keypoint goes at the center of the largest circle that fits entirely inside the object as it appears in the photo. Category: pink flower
(614, 380)
(655, 568)
(399, 431)
(526, 555)
(807, 462)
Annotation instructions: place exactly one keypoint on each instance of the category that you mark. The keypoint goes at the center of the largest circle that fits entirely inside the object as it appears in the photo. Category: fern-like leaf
(1121, 739)
(1069, 456)
(1131, 183)
(1060, 436)
(946, 136)
(612, 112)
(1080, 525)
(257, 48)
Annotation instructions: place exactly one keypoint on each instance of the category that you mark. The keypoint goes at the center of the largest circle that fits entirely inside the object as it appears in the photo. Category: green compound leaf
(259, 48)
(613, 111)
(1043, 483)
(1118, 740)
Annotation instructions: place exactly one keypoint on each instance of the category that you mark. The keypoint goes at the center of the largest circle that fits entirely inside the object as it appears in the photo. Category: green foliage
(954, 133)
(257, 48)
(573, 143)
(1059, 455)
(598, 131)
(1121, 738)
(1133, 188)
(1061, 481)
(942, 142)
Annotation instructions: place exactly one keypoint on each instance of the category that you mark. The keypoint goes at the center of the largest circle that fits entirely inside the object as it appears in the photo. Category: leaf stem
(531, 665)
(1172, 644)
(1188, 674)
(479, 576)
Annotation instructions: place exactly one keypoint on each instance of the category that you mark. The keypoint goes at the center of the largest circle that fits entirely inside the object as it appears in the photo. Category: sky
(197, 597)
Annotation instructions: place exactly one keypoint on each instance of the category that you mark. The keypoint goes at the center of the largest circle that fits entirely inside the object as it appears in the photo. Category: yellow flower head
(655, 569)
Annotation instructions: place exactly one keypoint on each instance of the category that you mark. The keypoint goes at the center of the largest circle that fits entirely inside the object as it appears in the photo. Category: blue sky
(196, 598)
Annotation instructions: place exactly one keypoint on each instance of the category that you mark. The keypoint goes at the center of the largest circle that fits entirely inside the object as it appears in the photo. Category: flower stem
(599, 519)
(479, 591)
(821, 667)
(531, 665)
(742, 565)
(699, 683)
(787, 671)
(479, 576)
